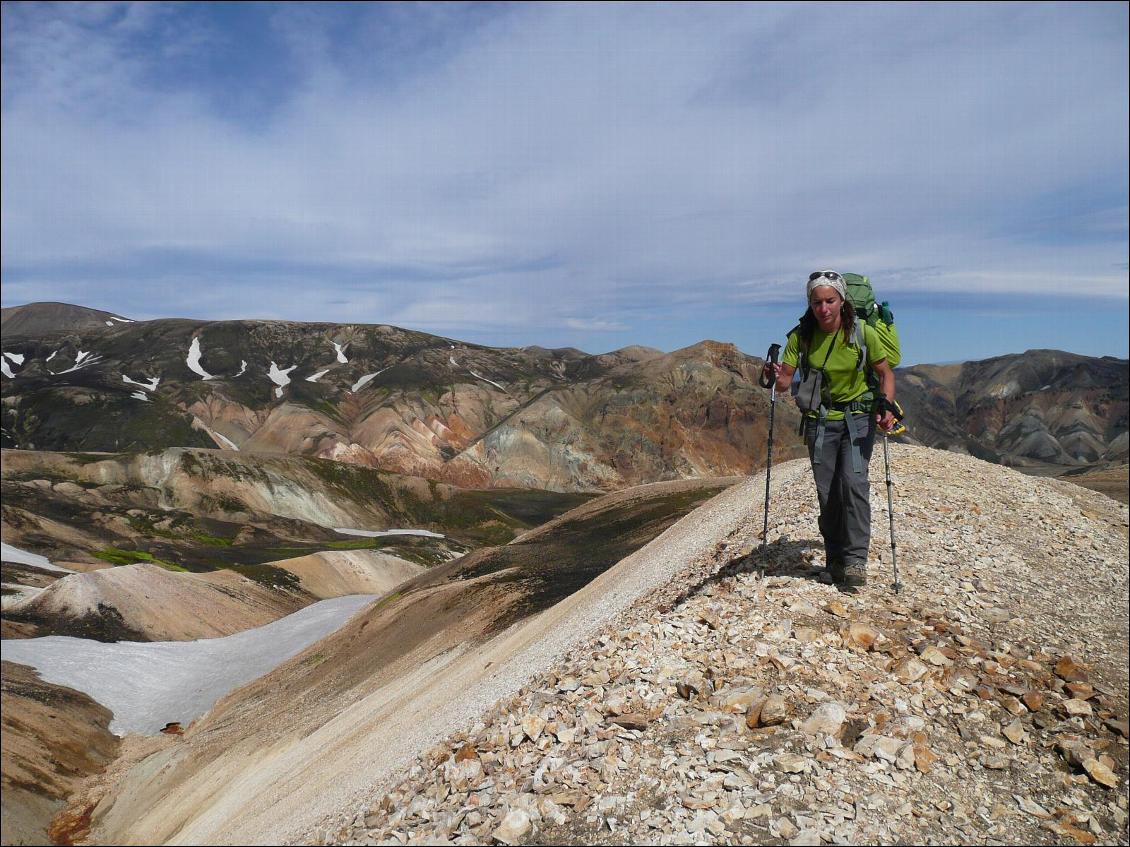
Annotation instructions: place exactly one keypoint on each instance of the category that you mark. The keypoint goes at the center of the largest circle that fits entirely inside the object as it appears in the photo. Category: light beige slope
(162, 605)
(254, 775)
(336, 573)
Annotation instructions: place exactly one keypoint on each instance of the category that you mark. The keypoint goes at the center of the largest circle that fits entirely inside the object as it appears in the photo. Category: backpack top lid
(861, 295)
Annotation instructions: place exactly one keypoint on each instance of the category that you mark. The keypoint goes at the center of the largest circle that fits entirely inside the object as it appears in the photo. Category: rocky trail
(748, 701)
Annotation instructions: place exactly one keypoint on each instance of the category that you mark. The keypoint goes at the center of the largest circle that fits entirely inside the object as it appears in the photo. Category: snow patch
(363, 381)
(220, 440)
(382, 533)
(148, 386)
(193, 360)
(242, 367)
(4, 369)
(53, 355)
(123, 320)
(227, 441)
(317, 376)
(23, 592)
(340, 350)
(109, 323)
(280, 377)
(148, 684)
(82, 360)
(484, 379)
(18, 358)
(14, 554)
(140, 395)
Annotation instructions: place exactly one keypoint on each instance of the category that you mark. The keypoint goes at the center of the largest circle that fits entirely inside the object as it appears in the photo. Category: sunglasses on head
(832, 275)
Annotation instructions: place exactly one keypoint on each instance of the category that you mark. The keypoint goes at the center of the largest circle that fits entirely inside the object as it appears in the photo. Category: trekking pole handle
(770, 359)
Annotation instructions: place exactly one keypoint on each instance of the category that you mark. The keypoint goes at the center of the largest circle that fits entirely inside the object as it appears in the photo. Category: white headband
(837, 283)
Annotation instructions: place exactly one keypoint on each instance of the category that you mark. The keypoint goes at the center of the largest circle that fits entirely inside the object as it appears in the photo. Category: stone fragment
(632, 720)
(923, 758)
(533, 725)
(1034, 700)
(1074, 750)
(773, 711)
(785, 828)
(466, 752)
(1077, 708)
(740, 699)
(936, 657)
(994, 762)
(1070, 670)
(1013, 706)
(910, 670)
(513, 827)
(1121, 727)
(792, 763)
(806, 634)
(1080, 690)
(1033, 808)
(827, 719)
(836, 608)
(685, 690)
(997, 615)
(1015, 733)
(1100, 773)
(568, 683)
(860, 636)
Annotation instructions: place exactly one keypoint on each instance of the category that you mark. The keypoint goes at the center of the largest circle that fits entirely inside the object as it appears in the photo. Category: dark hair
(808, 324)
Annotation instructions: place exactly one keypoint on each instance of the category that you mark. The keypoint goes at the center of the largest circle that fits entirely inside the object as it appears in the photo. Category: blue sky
(589, 175)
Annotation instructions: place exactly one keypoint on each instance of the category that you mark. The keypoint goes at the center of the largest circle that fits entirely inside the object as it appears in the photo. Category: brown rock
(774, 710)
(837, 608)
(1121, 727)
(1080, 690)
(1077, 708)
(466, 752)
(910, 670)
(1034, 700)
(860, 636)
(1013, 706)
(935, 657)
(685, 690)
(1015, 733)
(923, 758)
(632, 720)
(1070, 670)
(173, 728)
(1100, 773)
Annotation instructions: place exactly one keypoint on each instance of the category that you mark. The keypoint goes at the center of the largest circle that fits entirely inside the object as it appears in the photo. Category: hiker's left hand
(886, 421)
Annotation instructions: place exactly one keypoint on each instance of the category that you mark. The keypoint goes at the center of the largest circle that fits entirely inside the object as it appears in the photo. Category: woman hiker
(842, 397)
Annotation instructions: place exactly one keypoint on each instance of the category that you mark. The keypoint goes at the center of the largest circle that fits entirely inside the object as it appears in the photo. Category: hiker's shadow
(797, 558)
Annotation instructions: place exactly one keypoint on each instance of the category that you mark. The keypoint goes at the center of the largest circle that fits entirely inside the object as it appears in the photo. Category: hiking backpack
(878, 316)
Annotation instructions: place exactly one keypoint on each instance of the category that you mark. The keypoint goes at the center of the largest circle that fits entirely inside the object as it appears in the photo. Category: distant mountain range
(79, 379)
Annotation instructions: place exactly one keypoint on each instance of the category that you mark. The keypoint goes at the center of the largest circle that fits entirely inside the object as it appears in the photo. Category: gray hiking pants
(844, 493)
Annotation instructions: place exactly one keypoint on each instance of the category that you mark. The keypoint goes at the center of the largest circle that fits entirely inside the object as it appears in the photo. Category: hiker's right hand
(771, 371)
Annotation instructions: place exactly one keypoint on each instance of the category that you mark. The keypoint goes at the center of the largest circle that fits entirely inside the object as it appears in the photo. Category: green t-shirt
(843, 380)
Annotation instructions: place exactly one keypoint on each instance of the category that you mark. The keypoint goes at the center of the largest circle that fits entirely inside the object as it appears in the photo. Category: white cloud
(573, 159)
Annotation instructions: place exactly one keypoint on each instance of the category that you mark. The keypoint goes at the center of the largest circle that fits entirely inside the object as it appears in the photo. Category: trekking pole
(891, 511)
(771, 383)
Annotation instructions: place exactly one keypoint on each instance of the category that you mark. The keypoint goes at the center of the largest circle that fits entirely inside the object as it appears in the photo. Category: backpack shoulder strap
(860, 340)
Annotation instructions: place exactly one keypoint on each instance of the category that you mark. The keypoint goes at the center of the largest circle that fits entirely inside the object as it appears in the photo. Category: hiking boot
(836, 570)
(855, 575)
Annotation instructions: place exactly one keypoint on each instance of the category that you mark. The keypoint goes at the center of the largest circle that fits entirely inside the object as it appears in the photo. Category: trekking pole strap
(770, 358)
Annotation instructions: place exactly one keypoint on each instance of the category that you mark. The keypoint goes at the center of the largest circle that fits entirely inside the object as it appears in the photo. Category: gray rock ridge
(985, 703)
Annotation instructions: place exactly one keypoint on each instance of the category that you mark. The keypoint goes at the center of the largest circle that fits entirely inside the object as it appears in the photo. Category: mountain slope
(35, 319)
(896, 713)
(391, 398)
(1040, 408)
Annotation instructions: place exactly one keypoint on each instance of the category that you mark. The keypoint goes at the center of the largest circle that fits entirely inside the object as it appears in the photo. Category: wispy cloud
(423, 161)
